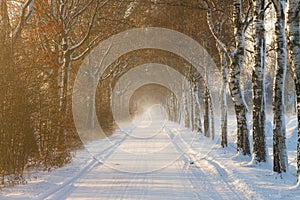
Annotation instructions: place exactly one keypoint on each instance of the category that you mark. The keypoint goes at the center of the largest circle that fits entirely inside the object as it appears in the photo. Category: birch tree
(207, 102)
(294, 46)
(191, 104)
(68, 48)
(72, 42)
(258, 84)
(197, 110)
(223, 99)
(279, 128)
(236, 56)
(186, 103)
(223, 94)
(206, 119)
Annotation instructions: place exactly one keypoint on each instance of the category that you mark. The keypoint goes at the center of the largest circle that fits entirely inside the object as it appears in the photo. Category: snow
(173, 163)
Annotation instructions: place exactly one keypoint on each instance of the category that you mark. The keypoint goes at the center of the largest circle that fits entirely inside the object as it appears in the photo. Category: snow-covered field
(171, 163)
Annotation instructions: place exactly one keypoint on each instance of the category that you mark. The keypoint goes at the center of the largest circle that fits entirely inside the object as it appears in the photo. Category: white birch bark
(237, 60)
(206, 120)
(184, 107)
(236, 63)
(175, 108)
(186, 104)
(191, 106)
(207, 102)
(212, 116)
(294, 46)
(258, 84)
(210, 104)
(223, 95)
(66, 12)
(279, 128)
(198, 124)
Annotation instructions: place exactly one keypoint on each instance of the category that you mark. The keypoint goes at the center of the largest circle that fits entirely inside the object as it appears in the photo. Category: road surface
(150, 162)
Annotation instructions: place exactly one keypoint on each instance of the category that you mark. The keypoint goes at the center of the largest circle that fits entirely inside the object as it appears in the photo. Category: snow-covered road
(157, 160)
(148, 163)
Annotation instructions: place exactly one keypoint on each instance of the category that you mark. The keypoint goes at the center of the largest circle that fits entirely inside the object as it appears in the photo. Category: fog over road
(149, 162)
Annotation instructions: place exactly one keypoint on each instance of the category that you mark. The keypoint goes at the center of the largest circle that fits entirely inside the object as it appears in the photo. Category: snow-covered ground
(168, 163)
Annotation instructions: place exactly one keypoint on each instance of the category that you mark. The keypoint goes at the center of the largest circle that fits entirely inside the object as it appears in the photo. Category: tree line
(43, 43)
(246, 15)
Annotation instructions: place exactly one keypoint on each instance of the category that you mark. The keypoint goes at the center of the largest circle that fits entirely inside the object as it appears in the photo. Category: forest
(255, 45)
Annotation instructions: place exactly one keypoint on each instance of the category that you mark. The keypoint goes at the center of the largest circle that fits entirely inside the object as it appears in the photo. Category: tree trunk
(241, 114)
(236, 63)
(175, 108)
(258, 84)
(237, 60)
(279, 130)
(212, 116)
(91, 105)
(64, 75)
(224, 68)
(4, 27)
(6, 75)
(294, 46)
(241, 109)
(207, 104)
(206, 113)
(198, 124)
(191, 107)
(186, 104)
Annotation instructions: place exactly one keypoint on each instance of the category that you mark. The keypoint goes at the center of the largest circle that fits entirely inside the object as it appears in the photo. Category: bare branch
(91, 45)
(24, 16)
(101, 62)
(248, 14)
(82, 9)
(248, 50)
(248, 23)
(212, 27)
(79, 44)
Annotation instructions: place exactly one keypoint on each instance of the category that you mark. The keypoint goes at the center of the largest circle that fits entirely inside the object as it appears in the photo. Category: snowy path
(163, 172)
(152, 162)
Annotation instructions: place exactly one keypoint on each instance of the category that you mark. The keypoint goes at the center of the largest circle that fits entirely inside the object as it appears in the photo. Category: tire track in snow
(223, 182)
(232, 181)
(67, 187)
(182, 171)
(240, 184)
(224, 176)
(193, 181)
(193, 172)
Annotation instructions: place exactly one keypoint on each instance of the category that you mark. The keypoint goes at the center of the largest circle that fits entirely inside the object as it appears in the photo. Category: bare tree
(258, 84)
(223, 99)
(15, 127)
(197, 110)
(206, 120)
(279, 128)
(236, 57)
